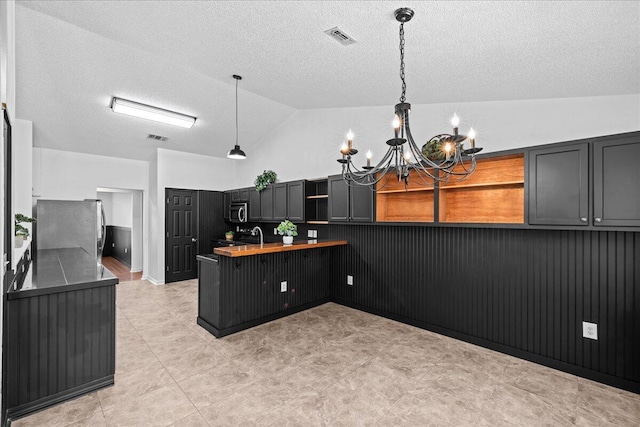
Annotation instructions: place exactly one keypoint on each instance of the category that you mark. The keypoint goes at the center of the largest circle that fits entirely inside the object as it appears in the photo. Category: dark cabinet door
(559, 185)
(280, 201)
(266, 204)
(243, 194)
(235, 196)
(338, 199)
(254, 205)
(616, 182)
(361, 202)
(226, 204)
(296, 200)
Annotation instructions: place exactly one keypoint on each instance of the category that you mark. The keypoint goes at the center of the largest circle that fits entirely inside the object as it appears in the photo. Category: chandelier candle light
(442, 157)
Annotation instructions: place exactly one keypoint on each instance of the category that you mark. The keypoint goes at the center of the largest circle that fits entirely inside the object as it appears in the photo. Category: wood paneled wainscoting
(520, 291)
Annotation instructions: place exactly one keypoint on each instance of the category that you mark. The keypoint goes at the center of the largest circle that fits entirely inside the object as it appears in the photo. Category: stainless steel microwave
(238, 212)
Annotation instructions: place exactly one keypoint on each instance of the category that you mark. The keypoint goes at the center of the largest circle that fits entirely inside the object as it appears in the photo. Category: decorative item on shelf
(21, 232)
(228, 235)
(264, 179)
(441, 158)
(236, 153)
(287, 230)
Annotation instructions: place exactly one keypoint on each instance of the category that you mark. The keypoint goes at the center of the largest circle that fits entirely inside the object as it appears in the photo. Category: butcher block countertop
(269, 248)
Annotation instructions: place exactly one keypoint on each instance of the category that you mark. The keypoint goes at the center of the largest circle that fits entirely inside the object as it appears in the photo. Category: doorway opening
(124, 234)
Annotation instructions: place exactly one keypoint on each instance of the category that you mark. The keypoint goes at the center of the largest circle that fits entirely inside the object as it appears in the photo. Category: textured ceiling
(73, 56)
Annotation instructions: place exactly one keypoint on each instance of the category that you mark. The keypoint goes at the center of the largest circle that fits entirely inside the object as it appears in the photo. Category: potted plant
(266, 178)
(228, 235)
(287, 230)
(21, 232)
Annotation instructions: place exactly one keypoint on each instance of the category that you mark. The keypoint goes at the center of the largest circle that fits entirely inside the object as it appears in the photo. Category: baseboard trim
(40, 404)
(152, 280)
(219, 333)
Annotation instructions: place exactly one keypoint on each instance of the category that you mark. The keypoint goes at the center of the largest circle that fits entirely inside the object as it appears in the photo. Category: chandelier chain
(404, 84)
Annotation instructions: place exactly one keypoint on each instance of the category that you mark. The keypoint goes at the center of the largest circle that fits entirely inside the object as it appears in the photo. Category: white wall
(189, 171)
(122, 210)
(63, 175)
(21, 180)
(137, 231)
(306, 145)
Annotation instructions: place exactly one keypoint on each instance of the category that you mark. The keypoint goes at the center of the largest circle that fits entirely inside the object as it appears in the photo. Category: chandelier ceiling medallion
(441, 158)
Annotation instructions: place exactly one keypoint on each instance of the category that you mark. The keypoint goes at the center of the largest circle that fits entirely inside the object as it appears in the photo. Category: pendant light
(236, 153)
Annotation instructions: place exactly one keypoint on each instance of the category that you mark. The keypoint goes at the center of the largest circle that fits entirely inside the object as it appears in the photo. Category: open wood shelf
(317, 201)
(494, 193)
(405, 206)
(502, 203)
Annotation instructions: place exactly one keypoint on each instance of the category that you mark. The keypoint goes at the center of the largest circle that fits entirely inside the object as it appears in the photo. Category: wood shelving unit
(317, 201)
(398, 202)
(494, 193)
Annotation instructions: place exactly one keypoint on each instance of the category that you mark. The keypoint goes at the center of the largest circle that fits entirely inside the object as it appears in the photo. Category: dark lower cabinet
(353, 204)
(239, 293)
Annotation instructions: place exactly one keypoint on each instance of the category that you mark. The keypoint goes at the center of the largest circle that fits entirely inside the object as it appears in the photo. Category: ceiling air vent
(340, 35)
(157, 137)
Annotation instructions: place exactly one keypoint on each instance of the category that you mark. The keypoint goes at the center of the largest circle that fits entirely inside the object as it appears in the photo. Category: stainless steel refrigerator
(71, 224)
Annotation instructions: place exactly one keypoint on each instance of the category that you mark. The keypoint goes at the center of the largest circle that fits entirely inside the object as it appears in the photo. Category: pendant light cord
(237, 112)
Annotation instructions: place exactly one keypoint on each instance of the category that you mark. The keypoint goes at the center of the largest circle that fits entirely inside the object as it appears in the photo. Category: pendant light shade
(236, 153)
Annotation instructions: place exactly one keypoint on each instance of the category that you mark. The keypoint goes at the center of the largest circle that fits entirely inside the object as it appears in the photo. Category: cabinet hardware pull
(583, 219)
(598, 219)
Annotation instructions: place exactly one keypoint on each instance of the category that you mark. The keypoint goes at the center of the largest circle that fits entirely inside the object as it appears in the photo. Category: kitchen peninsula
(62, 340)
(243, 286)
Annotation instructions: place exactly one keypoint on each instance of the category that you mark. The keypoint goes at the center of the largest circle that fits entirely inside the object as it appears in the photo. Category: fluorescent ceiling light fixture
(123, 106)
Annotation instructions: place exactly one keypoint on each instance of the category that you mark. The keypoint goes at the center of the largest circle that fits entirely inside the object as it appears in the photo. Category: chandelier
(442, 158)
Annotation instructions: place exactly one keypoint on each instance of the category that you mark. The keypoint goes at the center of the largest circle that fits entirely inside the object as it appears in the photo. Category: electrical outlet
(275, 231)
(126, 250)
(349, 280)
(283, 286)
(590, 330)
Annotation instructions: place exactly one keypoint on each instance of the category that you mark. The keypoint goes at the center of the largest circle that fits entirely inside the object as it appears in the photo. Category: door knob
(193, 239)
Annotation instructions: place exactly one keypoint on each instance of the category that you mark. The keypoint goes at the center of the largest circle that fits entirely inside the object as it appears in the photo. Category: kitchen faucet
(253, 233)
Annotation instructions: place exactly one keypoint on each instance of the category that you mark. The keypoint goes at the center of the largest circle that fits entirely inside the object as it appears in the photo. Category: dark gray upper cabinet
(226, 205)
(280, 201)
(255, 213)
(240, 195)
(592, 182)
(559, 185)
(296, 200)
(350, 203)
(616, 182)
(338, 199)
(266, 204)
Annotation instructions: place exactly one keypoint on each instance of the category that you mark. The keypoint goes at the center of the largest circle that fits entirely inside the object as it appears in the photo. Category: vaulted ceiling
(72, 57)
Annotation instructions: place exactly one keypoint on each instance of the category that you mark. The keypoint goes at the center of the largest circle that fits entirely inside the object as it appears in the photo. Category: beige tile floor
(329, 366)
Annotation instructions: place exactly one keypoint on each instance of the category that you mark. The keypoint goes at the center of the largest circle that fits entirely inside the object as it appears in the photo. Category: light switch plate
(309, 233)
(349, 279)
(590, 330)
(283, 286)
